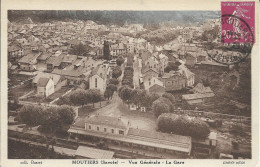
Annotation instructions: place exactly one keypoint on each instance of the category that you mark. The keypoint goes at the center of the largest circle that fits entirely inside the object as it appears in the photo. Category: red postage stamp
(238, 22)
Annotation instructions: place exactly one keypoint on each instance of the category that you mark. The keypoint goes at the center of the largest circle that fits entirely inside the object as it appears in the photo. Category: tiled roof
(29, 59)
(200, 88)
(100, 69)
(74, 42)
(185, 71)
(93, 153)
(42, 82)
(197, 96)
(146, 69)
(13, 48)
(159, 137)
(55, 61)
(72, 72)
(44, 56)
(69, 58)
(56, 78)
(106, 120)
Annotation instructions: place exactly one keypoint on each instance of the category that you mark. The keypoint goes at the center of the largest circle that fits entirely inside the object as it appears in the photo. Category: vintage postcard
(158, 83)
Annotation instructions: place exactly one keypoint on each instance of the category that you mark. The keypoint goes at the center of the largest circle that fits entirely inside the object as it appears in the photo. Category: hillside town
(79, 89)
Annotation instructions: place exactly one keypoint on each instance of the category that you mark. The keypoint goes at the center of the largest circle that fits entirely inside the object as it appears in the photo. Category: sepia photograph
(119, 84)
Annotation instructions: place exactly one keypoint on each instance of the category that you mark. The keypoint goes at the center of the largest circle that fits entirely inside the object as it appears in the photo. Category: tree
(120, 60)
(137, 96)
(30, 115)
(106, 51)
(151, 98)
(117, 72)
(94, 95)
(169, 96)
(79, 50)
(113, 81)
(128, 77)
(210, 35)
(125, 94)
(51, 119)
(112, 87)
(146, 100)
(54, 118)
(67, 114)
(64, 100)
(183, 125)
(108, 94)
(160, 107)
(79, 97)
(172, 66)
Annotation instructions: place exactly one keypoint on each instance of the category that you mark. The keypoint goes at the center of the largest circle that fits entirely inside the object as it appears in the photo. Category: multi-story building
(187, 34)
(98, 77)
(117, 49)
(173, 81)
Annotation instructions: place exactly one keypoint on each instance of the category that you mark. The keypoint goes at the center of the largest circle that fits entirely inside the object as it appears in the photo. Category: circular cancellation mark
(237, 37)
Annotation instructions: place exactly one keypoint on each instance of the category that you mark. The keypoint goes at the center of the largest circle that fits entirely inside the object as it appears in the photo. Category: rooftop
(42, 82)
(197, 96)
(182, 146)
(94, 153)
(106, 120)
(30, 58)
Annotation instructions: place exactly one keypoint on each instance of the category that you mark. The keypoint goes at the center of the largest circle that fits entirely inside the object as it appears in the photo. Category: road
(137, 72)
(136, 119)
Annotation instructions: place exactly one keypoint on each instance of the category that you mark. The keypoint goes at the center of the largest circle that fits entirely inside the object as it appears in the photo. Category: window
(89, 127)
(95, 82)
(97, 128)
(121, 132)
(105, 129)
(112, 130)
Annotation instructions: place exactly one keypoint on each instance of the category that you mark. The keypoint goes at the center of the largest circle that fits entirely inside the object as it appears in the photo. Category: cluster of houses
(42, 49)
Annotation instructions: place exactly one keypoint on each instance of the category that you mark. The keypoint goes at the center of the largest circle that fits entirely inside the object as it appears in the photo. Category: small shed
(212, 139)
(133, 107)
(143, 109)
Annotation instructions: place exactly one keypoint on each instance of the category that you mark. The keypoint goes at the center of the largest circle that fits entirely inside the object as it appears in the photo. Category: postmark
(237, 22)
(237, 33)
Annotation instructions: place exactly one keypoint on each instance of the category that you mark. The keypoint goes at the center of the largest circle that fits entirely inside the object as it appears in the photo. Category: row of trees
(136, 96)
(50, 118)
(113, 82)
(117, 72)
(128, 77)
(111, 88)
(139, 97)
(83, 97)
(80, 50)
(183, 125)
(160, 36)
(120, 60)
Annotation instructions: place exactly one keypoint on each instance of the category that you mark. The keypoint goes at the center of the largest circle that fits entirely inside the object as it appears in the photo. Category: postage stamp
(237, 33)
(237, 22)
(129, 84)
